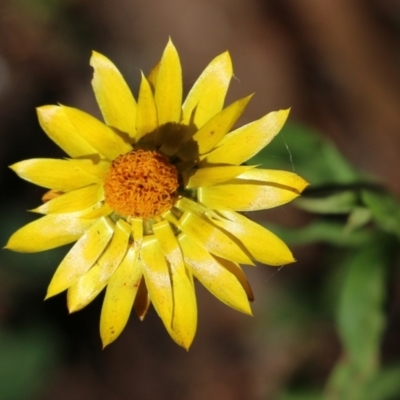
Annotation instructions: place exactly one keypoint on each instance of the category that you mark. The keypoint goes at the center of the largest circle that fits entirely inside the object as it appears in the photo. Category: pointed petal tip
(225, 61)
(43, 109)
(35, 210)
(94, 55)
(283, 263)
(282, 114)
(245, 310)
(248, 311)
(184, 344)
(48, 295)
(225, 55)
(170, 43)
(305, 184)
(105, 342)
(72, 308)
(289, 260)
(9, 246)
(250, 96)
(108, 336)
(51, 292)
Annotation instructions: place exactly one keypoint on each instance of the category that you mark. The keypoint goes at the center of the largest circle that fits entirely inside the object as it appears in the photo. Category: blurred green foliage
(28, 358)
(359, 221)
(30, 345)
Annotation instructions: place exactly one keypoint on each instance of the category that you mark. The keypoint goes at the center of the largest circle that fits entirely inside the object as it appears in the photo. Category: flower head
(152, 196)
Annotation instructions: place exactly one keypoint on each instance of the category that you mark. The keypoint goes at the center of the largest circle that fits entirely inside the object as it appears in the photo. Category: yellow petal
(79, 199)
(214, 175)
(120, 295)
(99, 212)
(168, 91)
(152, 76)
(97, 168)
(236, 270)
(262, 244)
(137, 231)
(218, 280)
(59, 129)
(82, 292)
(147, 120)
(204, 233)
(184, 318)
(99, 135)
(169, 246)
(81, 257)
(281, 178)
(206, 98)
(248, 140)
(157, 277)
(48, 232)
(113, 95)
(186, 204)
(61, 175)
(245, 197)
(213, 131)
(85, 289)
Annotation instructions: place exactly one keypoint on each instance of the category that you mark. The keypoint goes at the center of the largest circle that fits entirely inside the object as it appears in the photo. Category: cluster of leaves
(360, 220)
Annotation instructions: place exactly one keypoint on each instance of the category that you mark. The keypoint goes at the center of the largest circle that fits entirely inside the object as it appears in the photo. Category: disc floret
(141, 184)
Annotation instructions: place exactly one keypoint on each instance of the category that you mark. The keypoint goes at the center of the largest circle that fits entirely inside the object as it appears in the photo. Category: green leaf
(358, 218)
(330, 232)
(338, 203)
(385, 210)
(385, 385)
(361, 320)
(341, 384)
(345, 382)
(360, 316)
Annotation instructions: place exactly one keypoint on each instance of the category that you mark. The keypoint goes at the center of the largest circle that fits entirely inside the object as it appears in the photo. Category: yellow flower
(152, 195)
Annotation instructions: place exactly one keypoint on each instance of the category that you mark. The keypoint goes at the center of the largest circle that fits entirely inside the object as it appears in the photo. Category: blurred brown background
(335, 63)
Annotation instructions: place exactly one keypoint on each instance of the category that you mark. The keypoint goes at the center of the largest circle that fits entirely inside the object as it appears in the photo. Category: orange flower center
(141, 184)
